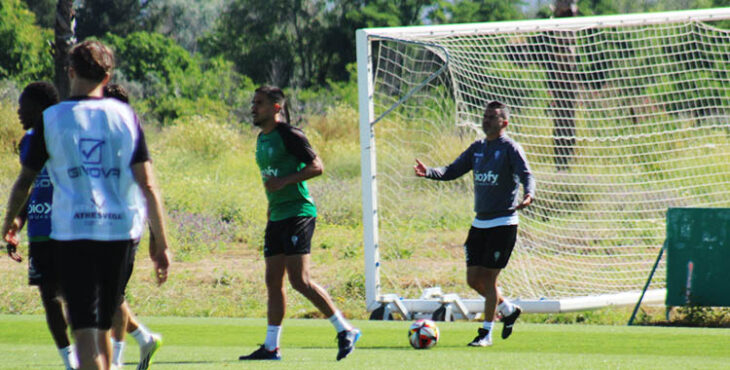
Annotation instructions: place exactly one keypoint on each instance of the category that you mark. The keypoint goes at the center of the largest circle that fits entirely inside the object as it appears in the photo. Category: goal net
(621, 117)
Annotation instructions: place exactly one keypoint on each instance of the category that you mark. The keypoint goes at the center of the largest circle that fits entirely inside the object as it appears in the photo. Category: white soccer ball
(423, 334)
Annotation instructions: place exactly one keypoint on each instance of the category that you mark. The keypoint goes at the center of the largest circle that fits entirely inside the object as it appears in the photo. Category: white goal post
(620, 116)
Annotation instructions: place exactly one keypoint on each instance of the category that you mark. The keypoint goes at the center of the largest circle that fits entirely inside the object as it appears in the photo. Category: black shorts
(290, 236)
(41, 266)
(93, 276)
(130, 268)
(490, 248)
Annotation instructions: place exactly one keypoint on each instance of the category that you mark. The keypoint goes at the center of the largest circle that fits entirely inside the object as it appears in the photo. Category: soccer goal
(621, 117)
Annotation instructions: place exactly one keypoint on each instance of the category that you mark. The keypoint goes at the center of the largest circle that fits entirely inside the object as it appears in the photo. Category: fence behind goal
(621, 117)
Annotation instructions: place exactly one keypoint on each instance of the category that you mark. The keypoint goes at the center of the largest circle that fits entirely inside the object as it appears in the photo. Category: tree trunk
(63, 41)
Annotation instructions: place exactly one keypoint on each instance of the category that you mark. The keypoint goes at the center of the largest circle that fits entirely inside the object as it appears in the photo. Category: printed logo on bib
(91, 150)
(91, 153)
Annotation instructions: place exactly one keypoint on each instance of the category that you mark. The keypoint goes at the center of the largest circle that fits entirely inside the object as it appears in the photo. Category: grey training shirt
(499, 166)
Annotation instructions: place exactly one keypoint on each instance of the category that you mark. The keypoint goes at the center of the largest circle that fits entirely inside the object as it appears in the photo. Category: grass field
(214, 343)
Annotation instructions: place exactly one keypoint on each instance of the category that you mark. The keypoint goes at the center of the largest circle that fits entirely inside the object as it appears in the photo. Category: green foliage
(10, 128)
(185, 21)
(384, 13)
(596, 7)
(467, 11)
(301, 43)
(121, 17)
(274, 42)
(176, 84)
(701, 316)
(45, 11)
(24, 53)
(144, 56)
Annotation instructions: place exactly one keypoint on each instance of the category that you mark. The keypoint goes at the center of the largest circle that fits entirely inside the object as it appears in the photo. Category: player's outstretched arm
(145, 178)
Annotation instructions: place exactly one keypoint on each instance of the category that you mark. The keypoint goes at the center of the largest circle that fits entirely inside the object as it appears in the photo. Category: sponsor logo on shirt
(42, 182)
(37, 210)
(486, 178)
(269, 172)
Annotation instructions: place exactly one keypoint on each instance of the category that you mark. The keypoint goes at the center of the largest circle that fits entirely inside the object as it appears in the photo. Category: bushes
(24, 53)
(176, 84)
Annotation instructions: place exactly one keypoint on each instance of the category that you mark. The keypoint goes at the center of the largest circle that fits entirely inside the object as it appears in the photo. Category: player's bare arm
(313, 169)
(145, 178)
(18, 196)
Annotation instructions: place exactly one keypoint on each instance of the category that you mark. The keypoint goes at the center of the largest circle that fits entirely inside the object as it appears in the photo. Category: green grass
(214, 343)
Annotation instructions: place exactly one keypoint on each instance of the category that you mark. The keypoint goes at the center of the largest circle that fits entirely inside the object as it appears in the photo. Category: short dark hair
(276, 95)
(116, 91)
(496, 105)
(41, 92)
(91, 60)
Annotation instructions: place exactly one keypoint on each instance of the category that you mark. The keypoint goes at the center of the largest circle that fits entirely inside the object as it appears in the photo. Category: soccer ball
(423, 334)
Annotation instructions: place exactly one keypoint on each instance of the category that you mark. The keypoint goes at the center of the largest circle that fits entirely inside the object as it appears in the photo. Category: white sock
(117, 353)
(273, 336)
(506, 308)
(142, 335)
(68, 357)
(339, 322)
(488, 326)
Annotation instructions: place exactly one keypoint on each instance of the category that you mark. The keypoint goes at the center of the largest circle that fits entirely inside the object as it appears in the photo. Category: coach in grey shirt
(499, 166)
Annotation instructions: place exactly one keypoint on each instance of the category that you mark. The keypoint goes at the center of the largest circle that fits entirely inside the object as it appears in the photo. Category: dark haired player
(103, 186)
(286, 161)
(499, 166)
(34, 99)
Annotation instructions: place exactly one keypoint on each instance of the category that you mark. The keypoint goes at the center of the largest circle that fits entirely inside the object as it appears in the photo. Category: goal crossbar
(574, 23)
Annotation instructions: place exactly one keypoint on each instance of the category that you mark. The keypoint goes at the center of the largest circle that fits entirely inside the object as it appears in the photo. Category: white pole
(367, 163)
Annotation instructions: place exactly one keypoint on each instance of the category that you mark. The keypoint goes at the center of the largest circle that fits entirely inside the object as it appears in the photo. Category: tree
(467, 11)
(254, 35)
(45, 11)
(121, 17)
(387, 13)
(185, 21)
(174, 82)
(143, 55)
(64, 39)
(24, 53)
(300, 42)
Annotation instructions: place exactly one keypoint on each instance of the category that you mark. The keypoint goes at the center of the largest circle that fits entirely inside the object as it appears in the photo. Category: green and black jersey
(284, 151)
